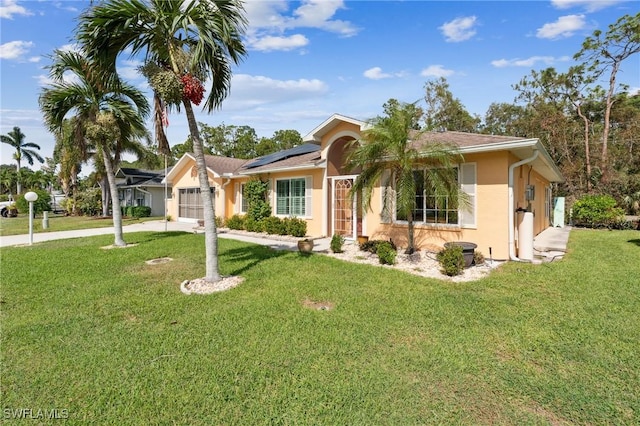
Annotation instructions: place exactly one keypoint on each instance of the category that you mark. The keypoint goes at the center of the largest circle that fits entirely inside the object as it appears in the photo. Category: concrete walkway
(551, 243)
(321, 245)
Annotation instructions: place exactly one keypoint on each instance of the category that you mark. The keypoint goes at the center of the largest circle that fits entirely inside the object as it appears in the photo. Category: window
(293, 197)
(433, 208)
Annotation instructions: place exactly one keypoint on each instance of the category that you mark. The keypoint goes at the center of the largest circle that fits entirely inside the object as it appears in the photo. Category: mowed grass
(20, 224)
(110, 339)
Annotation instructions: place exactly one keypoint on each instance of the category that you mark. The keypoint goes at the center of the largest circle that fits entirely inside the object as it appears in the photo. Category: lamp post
(31, 197)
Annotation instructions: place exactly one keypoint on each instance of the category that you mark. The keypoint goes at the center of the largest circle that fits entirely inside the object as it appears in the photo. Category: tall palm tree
(26, 150)
(188, 41)
(70, 157)
(106, 112)
(385, 156)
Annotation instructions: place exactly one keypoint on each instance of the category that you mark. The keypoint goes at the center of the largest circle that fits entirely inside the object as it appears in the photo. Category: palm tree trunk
(210, 231)
(18, 179)
(105, 188)
(116, 212)
(411, 237)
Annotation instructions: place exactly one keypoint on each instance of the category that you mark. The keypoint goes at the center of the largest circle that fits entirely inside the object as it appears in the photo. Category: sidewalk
(321, 244)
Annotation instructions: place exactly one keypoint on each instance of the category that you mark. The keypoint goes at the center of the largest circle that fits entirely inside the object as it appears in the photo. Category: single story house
(137, 187)
(501, 175)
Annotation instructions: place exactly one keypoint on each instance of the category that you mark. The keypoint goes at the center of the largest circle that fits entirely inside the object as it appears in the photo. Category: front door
(346, 221)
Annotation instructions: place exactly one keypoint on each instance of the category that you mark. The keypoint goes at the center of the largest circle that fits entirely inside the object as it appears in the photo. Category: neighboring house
(500, 174)
(137, 187)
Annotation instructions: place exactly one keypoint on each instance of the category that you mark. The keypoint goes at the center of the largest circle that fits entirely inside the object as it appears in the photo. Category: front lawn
(110, 339)
(57, 222)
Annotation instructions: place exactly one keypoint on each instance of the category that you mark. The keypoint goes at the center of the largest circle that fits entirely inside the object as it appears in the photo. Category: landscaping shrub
(140, 211)
(478, 258)
(89, 202)
(253, 225)
(597, 211)
(219, 222)
(336, 243)
(296, 227)
(273, 225)
(451, 260)
(235, 222)
(42, 204)
(386, 253)
(372, 245)
(255, 192)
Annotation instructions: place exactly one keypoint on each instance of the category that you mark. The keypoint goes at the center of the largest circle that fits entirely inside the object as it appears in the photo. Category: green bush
(219, 221)
(597, 211)
(89, 202)
(235, 222)
(478, 257)
(253, 225)
(371, 246)
(255, 192)
(296, 227)
(386, 253)
(42, 204)
(140, 211)
(336, 243)
(451, 260)
(273, 225)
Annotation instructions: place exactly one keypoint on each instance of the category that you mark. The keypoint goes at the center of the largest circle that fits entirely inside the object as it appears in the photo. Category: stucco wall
(491, 230)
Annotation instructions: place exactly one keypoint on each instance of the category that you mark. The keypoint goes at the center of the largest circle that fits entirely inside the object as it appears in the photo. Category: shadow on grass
(635, 241)
(146, 236)
(250, 256)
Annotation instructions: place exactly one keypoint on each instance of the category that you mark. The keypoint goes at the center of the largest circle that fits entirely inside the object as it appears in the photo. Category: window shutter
(468, 185)
(308, 195)
(271, 199)
(387, 197)
(238, 203)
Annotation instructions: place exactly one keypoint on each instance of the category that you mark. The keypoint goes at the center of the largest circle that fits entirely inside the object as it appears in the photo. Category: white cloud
(129, 69)
(15, 49)
(269, 43)
(589, 5)
(252, 91)
(269, 20)
(528, 62)
(459, 29)
(8, 8)
(634, 91)
(564, 27)
(436, 71)
(376, 73)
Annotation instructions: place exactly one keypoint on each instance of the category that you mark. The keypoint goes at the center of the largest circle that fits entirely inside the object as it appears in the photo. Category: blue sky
(312, 58)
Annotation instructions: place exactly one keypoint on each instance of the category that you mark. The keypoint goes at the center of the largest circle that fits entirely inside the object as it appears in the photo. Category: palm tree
(385, 156)
(106, 111)
(184, 42)
(25, 150)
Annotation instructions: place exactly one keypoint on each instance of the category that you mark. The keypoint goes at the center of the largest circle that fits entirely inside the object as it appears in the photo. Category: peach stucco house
(502, 175)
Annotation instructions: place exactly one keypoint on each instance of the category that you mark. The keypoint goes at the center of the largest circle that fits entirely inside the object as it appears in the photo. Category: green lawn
(20, 225)
(111, 340)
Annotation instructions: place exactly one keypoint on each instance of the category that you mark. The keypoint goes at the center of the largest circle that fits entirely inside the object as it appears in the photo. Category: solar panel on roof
(283, 155)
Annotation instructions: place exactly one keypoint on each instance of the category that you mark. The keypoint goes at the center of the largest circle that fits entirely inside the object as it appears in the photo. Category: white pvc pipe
(512, 212)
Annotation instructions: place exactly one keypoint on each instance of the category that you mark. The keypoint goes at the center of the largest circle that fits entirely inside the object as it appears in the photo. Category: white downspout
(512, 212)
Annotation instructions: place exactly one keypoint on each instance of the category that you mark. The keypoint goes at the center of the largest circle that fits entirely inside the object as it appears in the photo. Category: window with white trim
(293, 197)
(432, 208)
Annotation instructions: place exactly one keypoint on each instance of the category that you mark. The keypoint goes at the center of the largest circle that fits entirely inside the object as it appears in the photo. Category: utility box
(558, 212)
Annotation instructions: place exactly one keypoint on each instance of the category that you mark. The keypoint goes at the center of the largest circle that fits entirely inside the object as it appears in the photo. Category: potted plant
(305, 245)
